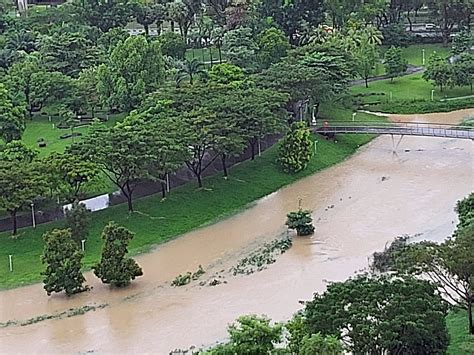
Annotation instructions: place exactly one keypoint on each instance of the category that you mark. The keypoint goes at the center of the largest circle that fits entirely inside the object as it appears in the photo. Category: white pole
(259, 148)
(353, 116)
(10, 262)
(315, 147)
(167, 182)
(432, 95)
(83, 242)
(33, 215)
(423, 60)
(391, 96)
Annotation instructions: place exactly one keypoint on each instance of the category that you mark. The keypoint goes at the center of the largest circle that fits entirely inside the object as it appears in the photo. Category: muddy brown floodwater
(358, 207)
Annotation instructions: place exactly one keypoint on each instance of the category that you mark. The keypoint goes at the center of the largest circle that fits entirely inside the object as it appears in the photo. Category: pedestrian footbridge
(423, 129)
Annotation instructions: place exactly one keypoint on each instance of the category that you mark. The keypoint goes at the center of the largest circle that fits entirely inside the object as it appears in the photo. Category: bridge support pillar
(395, 146)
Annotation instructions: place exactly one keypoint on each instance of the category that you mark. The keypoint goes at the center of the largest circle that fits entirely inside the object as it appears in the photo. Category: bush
(296, 149)
(300, 220)
(172, 44)
(78, 218)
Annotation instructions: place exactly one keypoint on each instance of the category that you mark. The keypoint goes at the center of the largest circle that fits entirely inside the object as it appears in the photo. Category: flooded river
(358, 206)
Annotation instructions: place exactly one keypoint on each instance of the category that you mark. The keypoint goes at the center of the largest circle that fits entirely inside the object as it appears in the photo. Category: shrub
(296, 149)
(301, 221)
(172, 44)
(77, 220)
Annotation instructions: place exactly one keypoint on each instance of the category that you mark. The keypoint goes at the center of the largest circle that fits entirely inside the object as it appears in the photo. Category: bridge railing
(378, 124)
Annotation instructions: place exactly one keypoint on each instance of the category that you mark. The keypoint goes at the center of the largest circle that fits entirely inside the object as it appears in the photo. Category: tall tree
(183, 12)
(135, 68)
(121, 152)
(381, 315)
(438, 70)
(20, 184)
(293, 15)
(63, 263)
(296, 149)
(449, 14)
(114, 267)
(395, 64)
(240, 48)
(68, 52)
(12, 116)
(105, 14)
(273, 45)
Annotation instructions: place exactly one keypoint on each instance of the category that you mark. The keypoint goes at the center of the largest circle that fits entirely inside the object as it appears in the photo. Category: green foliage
(135, 68)
(12, 116)
(172, 44)
(63, 263)
(463, 71)
(463, 42)
(182, 280)
(385, 260)
(78, 219)
(376, 315)
(18, 152)
(189, 69)
(438, 70)
(395, 35)
(316, 344)
(422, 106)
(105, 14)
(296, 149)
(465, 211)
(272, 46)
(395, 64)
(114, 267)
(226, 74)
(68, 52)
(301, 221)
(251, 335)
(240, 48)
(20, 183)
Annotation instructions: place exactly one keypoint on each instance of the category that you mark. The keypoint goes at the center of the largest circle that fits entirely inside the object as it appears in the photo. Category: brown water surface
(358, 207)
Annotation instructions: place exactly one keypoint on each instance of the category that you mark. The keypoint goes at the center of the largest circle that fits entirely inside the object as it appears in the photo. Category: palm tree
(189, 69)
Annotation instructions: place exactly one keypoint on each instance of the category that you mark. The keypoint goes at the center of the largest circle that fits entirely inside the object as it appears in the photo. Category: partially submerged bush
(301, 221)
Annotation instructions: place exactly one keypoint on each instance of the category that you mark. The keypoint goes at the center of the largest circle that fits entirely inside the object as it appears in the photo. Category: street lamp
(83, 241)
(432, 95)
(33, 219)
(423, 54)
(354, 116)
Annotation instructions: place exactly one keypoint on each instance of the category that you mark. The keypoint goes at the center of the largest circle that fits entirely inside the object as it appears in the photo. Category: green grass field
(410, 87)
(186, 208)
(414, 53)
(461, 343)
(204, 54)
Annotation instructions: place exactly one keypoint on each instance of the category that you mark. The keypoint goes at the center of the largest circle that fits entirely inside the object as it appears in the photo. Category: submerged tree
(114, 267)
(63, 259)
(300, 220)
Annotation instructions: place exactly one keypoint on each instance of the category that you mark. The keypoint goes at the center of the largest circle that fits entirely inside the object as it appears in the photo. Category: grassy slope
(414, 53)
(410, 87)
(186, 208)
(461, 343)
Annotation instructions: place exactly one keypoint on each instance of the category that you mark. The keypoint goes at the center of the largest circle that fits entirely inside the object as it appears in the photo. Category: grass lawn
(41, 127)
(414, 53)
(204, 54)
(185, 209)
(410, 87)
(461, 343)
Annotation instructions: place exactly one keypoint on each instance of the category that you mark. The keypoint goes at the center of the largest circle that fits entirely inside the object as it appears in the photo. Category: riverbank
(358, 207)
(156, 221)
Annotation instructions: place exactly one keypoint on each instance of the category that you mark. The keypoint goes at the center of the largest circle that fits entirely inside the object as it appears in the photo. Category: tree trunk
(469, 315)
(366, 78)
(409, 21)
(147, 29)
(172, 26)
(220, 54)
(224, 165)
(129, 202)
(163, 189)
(190, 78)
(252, 149)
(14, 222)
(199, 179)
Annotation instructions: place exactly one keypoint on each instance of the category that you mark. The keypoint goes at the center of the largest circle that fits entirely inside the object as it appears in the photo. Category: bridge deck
(402, 128)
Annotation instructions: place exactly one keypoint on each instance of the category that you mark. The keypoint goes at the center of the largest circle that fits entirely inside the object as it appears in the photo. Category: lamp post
(354, 116)
(432, 95)
(83, 242)
(423, 56)
(10, 263)
(33, 219)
